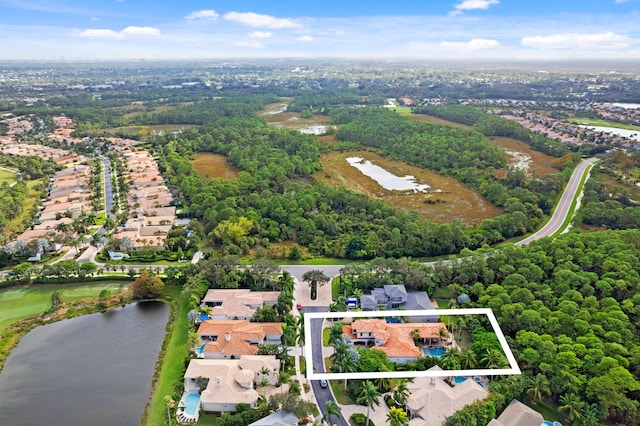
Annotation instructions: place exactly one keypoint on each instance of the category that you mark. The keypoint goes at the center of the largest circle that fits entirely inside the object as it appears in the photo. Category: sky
(349, 29)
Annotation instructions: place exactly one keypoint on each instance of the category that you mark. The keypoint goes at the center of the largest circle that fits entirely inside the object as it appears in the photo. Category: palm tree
(347, 365)
(468, 359)
(331, 409)
(572, 404)
(193, 340)
(538, 386)
(170, 403)
(450, 360)
(493, 359)
(415, 335)
(300, 336)
(397, 417)
(340, 352)
(401, 392)
(368, 396)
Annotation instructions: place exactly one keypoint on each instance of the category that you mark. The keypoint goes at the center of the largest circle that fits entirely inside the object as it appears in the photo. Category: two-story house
(392, 297)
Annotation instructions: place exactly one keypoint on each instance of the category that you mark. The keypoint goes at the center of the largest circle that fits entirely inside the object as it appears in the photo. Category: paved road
(562, 209)
(108, 191)
(322, 394)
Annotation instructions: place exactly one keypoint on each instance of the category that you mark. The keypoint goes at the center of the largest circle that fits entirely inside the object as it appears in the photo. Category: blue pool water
(435, 351)
(459, 379)
(191, 399)
(547, 423)
(200, 349)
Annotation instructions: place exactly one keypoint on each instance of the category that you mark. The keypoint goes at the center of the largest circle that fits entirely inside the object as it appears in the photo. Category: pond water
(631, 134)
(386, 179)
(626, 106)
(90, 370)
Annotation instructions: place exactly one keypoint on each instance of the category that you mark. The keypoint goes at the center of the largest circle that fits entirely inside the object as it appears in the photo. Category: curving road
(564, 205)
(551, 227)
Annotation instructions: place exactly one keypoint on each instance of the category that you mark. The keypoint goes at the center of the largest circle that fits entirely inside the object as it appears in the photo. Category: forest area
(275, 200)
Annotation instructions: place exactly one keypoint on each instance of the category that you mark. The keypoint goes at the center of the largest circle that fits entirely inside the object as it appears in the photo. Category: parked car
(323, 383)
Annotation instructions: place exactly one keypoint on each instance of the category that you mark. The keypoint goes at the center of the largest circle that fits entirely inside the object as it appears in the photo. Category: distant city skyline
(436, 29)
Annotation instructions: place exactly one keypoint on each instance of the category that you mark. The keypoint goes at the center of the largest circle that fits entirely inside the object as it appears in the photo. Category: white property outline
(403, 374)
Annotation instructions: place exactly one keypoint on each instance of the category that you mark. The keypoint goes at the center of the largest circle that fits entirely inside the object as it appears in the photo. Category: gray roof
(379, 294)
(367, 301)
(418, 301)
(395, 290)
(279, 418)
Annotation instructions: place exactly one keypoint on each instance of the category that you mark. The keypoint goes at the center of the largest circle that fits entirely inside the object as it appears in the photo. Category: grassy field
(602, 123)
(8, 177)
(173, 358)
(450, 200)
(211, 166)
(21, 302)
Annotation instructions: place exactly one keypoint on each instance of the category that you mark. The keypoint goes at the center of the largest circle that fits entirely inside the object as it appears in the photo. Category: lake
(386, 179)
(89, 370)
(630, 134)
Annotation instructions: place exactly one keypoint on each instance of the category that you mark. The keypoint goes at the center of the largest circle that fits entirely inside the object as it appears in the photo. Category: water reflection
(90, 370)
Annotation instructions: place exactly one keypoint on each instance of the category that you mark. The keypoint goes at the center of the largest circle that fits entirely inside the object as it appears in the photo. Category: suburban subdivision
(310, 241)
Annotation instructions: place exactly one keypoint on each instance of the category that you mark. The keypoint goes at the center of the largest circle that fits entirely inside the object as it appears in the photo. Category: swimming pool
(434, 351)
(200, 349)
(459, 379)
(192, 399)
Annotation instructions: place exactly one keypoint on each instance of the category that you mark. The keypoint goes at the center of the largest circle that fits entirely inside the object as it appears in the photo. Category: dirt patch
(276, 115)
(520, 155)
(448, 199)
(435, 120)
(211, 166)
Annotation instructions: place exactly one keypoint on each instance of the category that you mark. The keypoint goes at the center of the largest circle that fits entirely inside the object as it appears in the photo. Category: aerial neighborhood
(288, 242)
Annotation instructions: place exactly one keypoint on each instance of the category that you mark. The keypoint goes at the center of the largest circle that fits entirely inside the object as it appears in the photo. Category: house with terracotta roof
(238, 304)
(395, 340)
(230, 381)
(518, 414)
(432, 400)
(228, 339)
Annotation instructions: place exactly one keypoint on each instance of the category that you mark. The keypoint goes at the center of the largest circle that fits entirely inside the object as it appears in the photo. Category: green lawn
(602, 123)
(21, 302)
(549, 412)
(173, 358)
(6, 176)
(335, 288)
(326, 333)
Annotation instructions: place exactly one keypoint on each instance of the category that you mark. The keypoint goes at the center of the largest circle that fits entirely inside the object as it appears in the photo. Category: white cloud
(473, 4)
(118, 35)
(256, 20)
(99, 33)
(305, 38)
(599, 41)
(141, 31)
(473, 44)
(260, 34)
(252, 44)
(210, 15)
